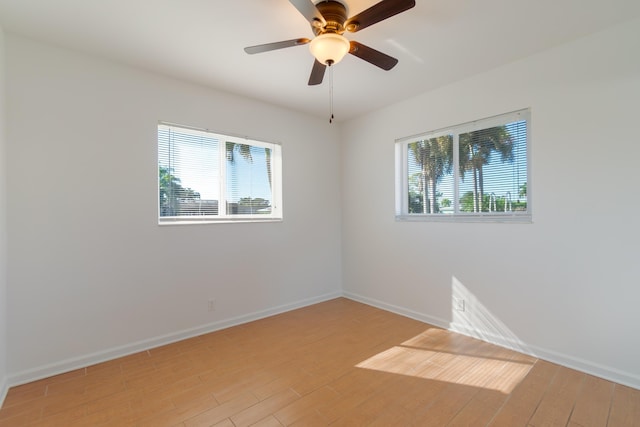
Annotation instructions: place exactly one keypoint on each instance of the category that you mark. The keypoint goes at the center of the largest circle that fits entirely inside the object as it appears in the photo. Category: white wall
(3, 231)
(566, 286)
(92, 274)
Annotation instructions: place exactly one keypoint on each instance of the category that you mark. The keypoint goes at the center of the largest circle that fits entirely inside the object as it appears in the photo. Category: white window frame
(276, 213)
(402, 178)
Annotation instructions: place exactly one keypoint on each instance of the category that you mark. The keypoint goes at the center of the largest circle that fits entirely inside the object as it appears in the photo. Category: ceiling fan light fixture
(329, 48)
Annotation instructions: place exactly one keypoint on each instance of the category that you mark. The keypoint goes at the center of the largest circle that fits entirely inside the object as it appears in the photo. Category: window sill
(499, 218)
(217, 221)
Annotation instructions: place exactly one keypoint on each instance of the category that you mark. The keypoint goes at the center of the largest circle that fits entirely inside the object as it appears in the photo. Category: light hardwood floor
(337, 363)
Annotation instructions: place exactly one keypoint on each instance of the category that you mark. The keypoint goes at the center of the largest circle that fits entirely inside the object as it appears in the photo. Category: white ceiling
(202, 41)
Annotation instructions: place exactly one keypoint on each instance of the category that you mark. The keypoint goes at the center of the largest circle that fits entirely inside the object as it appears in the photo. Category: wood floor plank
(305, 406)
(338, 363)
(378, 403)
(480, 409)
(219, 413)
(593, 404)
(311, 420)
(265, 408)
(525, 398)
(625, 407)
(558, 402)
(24, 393)
(445, 406)
(195, 407)
(354, 389)
(269, 421)
(113, 413)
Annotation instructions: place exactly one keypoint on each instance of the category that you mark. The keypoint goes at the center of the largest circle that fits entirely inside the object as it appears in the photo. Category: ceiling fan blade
(372, 56)
(273, 46)
(378, 12)
(309, 11)
(317, 73)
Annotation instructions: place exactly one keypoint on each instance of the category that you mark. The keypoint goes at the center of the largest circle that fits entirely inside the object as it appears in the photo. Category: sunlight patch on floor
(464, 354)
(470, 370)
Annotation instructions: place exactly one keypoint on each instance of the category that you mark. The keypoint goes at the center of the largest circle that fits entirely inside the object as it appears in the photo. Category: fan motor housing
(335, 13)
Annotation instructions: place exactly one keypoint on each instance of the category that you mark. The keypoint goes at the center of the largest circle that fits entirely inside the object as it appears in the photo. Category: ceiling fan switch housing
(335, 14)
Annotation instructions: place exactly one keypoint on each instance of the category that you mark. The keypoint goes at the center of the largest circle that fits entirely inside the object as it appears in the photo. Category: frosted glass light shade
(329, 48)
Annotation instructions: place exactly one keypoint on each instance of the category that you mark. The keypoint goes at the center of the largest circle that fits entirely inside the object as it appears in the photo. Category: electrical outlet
(211, 305)
(458, 304)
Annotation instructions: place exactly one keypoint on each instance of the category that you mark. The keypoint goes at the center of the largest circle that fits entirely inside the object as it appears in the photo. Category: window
(209, 177)
(474, 171)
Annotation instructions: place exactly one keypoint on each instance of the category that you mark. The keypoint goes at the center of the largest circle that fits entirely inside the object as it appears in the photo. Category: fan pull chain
(330, 93)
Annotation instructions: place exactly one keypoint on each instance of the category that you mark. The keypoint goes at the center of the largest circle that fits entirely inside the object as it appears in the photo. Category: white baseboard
(586, 366)
(113, 353)
(595, 369)
(396, 309)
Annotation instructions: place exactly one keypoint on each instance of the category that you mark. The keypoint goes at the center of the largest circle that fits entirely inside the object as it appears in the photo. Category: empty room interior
(440, 227)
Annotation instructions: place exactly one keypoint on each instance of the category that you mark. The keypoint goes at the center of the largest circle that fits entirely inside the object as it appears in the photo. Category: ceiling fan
(328, 19)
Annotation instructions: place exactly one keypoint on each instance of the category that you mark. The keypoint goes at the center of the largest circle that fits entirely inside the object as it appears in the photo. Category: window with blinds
(209, 177)
(476, 171)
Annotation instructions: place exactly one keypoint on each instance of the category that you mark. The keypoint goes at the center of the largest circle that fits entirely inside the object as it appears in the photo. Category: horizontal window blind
(205, 176)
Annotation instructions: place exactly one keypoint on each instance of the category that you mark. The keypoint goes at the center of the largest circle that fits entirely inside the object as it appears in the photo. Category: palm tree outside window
(472, 170)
